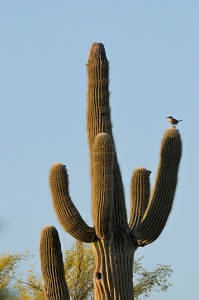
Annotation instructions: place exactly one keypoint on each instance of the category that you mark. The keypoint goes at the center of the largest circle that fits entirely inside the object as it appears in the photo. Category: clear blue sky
(153, 49)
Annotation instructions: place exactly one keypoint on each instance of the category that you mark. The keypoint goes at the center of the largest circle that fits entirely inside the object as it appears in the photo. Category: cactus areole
(114, 238)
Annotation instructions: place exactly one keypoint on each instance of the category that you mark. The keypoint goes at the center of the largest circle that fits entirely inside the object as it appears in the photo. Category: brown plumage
(173, 121)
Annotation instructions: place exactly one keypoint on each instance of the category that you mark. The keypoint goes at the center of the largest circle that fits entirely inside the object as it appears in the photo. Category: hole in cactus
(99, 275)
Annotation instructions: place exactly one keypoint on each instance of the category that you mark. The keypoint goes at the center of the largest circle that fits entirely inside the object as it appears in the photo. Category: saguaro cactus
(114, 240)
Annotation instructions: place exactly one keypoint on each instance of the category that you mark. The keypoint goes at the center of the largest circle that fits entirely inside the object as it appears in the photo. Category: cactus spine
(114, 239)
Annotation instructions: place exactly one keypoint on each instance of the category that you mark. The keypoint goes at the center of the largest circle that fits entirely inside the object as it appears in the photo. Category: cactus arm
(139, 192)
(98, 110)
(161, 200)
(99, 120)
(66, 211)
(102, 184)
(52, 267)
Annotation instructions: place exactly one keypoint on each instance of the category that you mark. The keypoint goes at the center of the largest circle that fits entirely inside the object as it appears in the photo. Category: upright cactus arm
(66, 211)
(99, 120)
(140, 193)
(52, 267)
(102, 184)
(98, 111)
(161, 200)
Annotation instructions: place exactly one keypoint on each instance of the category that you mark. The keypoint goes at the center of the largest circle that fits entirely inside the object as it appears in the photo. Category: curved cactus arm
(52, 267)
(139, 192)
(99, 120)
(66, 211)
(162, 196)
(102, 184)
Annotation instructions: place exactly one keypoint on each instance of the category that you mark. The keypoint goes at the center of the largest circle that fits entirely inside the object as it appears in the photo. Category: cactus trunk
(113, 272)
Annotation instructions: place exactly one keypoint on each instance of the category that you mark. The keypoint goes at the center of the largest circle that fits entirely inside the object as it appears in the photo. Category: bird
(173, 121)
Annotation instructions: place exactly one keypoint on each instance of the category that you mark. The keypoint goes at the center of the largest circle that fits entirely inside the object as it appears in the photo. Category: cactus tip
(97, 50)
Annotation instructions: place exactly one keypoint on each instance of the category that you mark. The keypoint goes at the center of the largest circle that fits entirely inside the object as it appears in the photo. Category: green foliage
(146, 281)
(8, 273)
(30, 286)
(79, 265)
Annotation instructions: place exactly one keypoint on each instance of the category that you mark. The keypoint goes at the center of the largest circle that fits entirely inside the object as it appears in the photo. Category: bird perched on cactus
(173, 121)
